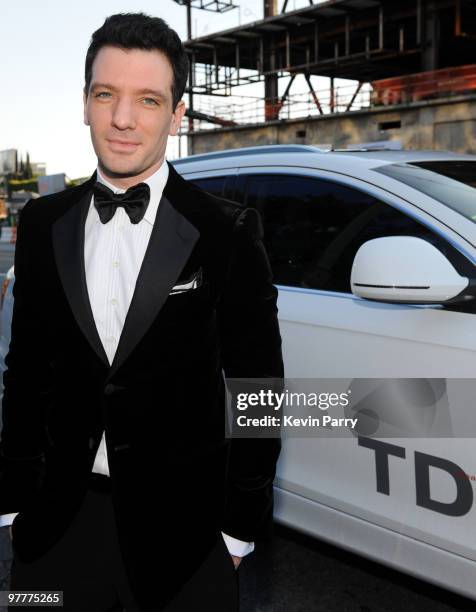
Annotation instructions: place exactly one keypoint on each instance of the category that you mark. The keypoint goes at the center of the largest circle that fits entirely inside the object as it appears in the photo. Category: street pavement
(296, 573)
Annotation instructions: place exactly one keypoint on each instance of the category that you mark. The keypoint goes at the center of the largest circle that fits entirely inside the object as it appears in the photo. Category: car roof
(309, 156)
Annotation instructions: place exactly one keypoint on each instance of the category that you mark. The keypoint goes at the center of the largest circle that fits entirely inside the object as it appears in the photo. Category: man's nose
(123, 114)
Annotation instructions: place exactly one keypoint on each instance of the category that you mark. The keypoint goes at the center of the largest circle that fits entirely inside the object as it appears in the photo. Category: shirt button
(111, 339)
(115, 264)
(114, 302)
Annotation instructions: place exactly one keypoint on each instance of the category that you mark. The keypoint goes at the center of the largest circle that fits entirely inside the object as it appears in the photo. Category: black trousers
(86, 564)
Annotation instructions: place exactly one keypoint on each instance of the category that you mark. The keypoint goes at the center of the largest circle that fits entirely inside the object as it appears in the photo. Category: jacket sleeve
(250, 348)
(25, 379)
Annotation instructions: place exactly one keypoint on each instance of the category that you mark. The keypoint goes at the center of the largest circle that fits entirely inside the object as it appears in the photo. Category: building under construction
(413, 63)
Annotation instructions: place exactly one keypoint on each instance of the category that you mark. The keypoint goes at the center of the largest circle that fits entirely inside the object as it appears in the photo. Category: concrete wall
(443, 124)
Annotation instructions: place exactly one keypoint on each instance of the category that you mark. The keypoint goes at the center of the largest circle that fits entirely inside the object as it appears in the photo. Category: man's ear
(85, 118)
(177, 116)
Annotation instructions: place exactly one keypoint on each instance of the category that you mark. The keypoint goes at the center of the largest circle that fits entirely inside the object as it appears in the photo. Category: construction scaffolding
(394, 51)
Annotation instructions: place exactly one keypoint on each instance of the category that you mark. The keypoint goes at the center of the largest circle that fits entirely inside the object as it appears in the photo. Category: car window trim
(401, 204)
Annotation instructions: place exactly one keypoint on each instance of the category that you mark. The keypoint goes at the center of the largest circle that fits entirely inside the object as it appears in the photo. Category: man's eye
(106, 93)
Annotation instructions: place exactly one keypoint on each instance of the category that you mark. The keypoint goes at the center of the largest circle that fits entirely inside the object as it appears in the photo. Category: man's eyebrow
(154, 92)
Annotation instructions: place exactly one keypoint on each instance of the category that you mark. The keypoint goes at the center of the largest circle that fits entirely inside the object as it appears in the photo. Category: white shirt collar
(156, 183)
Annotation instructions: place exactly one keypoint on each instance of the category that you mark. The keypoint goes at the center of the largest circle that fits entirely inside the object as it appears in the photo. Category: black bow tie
(134, 201)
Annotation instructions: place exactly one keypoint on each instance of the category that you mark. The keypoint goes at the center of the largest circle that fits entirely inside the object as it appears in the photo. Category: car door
(314, 222)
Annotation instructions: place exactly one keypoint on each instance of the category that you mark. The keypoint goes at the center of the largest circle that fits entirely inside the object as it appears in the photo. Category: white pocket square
(187, 286)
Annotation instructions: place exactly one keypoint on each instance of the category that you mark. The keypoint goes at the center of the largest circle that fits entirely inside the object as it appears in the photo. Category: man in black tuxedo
(133, 293)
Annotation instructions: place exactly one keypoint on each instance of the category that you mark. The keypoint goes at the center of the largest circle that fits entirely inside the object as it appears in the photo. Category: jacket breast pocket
(191, 293)
(188, 308)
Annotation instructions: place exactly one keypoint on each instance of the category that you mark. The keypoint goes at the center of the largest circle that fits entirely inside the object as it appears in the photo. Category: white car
(374, 254)
(403, 309)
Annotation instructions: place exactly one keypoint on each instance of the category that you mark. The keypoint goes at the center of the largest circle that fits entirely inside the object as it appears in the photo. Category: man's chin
(120, 169)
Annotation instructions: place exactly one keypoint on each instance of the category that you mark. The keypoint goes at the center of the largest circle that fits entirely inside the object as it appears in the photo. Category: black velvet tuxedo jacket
(177, 481)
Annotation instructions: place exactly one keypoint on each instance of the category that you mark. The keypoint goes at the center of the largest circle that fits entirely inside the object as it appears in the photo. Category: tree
(28, 171)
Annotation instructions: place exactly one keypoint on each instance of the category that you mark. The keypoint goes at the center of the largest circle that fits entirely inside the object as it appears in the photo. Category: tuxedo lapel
(68, 245)
(170, 245)
(171, 242)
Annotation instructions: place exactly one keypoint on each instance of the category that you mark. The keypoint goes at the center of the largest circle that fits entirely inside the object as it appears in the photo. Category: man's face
(129, 111)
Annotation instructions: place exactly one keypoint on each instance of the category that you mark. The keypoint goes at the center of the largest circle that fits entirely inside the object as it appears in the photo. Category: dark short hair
(141, 31)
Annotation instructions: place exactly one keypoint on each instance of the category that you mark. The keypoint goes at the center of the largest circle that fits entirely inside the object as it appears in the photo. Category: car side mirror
(406, 269)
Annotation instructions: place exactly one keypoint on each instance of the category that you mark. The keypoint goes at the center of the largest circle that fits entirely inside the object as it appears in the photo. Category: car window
(452, 183)
(314, 227)
(222, 186)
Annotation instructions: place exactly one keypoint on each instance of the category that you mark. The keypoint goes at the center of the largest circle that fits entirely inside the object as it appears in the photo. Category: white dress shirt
(113, 255)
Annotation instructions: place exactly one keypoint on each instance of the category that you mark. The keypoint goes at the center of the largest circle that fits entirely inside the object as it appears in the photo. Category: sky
(44, 44)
